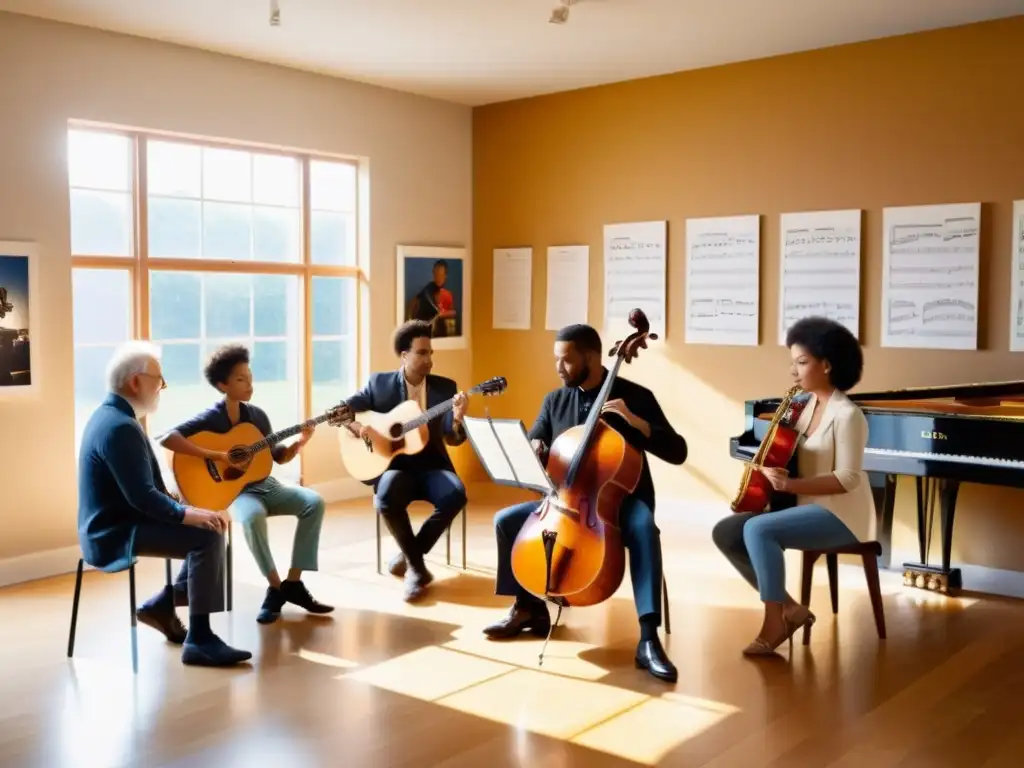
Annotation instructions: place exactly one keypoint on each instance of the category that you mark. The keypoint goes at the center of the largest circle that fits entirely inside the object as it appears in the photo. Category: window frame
(139, 265)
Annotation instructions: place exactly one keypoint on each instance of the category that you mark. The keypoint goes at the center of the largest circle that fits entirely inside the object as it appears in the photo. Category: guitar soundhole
(240, 463)
(395, 431)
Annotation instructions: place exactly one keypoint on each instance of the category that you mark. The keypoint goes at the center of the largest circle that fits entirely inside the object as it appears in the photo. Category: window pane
(227, 175)
(275, 234)
(270, 362)
(181, 364)
(228, 303)
(101, 223)
(334, 372)
(227, 231)
(275, 180)
(173, 169)
(175, 299)
(334, 305)
(275, 300)
(102, 305)
(332, 238)
(100, 160)
(332, 186)
(174, 228)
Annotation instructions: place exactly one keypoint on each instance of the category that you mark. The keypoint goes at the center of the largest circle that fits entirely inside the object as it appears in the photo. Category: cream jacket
(837, 447)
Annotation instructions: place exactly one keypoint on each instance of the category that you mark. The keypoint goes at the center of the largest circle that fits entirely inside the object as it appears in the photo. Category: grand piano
(940, 436)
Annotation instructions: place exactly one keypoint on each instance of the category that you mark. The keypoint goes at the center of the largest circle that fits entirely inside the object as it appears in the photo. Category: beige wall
(420, 167)
(929, 118)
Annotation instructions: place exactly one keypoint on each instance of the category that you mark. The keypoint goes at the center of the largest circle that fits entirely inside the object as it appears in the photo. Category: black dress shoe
(398, 566)
(295, 592)
(532, 616)
(212, 652)
(162, 618)
(416, 581)
(652, 657)
(273, 602)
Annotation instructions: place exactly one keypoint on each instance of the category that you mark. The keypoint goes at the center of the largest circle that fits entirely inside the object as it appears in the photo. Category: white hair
(129, 359)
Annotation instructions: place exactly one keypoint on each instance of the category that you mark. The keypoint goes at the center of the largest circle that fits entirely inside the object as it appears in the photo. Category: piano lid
(992, 391)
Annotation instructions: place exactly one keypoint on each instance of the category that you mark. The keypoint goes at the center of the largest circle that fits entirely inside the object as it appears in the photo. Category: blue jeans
(754, 543)
(268, 498)
(639, 534)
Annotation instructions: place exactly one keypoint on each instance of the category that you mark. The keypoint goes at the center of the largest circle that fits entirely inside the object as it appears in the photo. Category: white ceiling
(481, 51)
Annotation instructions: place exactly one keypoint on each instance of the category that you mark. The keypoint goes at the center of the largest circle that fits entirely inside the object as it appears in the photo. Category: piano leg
(941, 578)
(883, 488)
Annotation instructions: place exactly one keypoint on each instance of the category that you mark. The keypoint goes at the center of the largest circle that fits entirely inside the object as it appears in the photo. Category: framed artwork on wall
(434, 285)
(19, 319)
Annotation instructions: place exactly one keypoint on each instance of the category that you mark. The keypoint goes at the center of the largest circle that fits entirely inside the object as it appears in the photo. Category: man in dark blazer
(428, 475)
(633, 411)
(124, 511)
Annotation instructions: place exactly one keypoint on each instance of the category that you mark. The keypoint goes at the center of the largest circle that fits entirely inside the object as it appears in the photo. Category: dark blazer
(386, 390)
(119, 486)
(560, 411)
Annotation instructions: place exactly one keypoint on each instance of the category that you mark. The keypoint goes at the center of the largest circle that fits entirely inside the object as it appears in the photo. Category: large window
(194, 245)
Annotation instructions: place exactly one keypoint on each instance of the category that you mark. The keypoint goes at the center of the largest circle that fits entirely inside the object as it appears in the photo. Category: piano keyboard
(951, 457)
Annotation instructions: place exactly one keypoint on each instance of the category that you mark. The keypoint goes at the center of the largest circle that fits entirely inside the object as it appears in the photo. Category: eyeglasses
(163, 381)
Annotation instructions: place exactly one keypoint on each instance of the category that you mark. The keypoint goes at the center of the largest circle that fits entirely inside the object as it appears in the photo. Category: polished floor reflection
(382, 683)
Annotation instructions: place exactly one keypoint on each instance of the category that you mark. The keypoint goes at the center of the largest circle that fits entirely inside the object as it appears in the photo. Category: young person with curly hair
(229, 373)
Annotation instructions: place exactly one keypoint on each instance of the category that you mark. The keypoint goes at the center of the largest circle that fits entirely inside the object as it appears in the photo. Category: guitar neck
(275, 437)
(432, 413)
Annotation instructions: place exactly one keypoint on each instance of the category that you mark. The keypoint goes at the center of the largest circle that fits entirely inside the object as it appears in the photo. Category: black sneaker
(270, 611)
(295, 592)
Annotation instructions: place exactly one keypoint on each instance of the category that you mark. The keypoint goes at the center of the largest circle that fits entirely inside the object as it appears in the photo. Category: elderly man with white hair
(124, 511)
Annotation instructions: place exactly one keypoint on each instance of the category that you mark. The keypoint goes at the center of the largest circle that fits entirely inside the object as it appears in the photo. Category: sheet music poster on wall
(819, 268)
(1017, 279)
(634, 275)
(930, 276)
(723, 258)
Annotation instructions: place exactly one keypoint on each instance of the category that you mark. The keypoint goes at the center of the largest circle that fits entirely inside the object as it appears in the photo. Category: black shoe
(295, 592)
(416, 581)
(398, 566)
(180, 596)
(532, 616)
(162, 618)
(652, 657)
(212, 652)
(270, 611)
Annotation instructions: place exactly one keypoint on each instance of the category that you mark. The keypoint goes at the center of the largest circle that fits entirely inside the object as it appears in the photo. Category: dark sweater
(562, 410)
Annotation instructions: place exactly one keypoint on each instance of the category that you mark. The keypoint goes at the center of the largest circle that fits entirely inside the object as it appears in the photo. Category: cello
(570, 550)
(776, 450)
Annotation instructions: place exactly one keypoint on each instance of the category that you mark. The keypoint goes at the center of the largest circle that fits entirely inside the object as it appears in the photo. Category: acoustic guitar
(214, 484)
(405, 425)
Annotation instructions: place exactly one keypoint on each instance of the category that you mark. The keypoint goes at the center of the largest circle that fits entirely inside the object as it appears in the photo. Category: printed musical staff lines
(820, 268)
(723, 280)
(930, 288)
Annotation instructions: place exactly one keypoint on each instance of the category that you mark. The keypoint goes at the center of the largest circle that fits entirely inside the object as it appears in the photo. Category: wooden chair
(131, 603)
(869, 552)
(448, 541)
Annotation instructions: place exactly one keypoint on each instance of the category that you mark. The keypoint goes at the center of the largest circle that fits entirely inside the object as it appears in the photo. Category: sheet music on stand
(504, 449)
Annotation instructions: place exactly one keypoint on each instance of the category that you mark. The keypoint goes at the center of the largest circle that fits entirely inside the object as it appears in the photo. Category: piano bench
(869, 552)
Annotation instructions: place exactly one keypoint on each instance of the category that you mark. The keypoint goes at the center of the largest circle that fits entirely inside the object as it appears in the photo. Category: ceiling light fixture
(275, 14)
(560, 14)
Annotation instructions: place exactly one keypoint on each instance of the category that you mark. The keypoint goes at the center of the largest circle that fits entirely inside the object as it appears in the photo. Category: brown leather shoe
(533, 617)
(163, 619)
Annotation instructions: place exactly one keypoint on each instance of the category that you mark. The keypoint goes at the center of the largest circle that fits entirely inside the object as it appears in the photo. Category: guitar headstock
(340, 415)
(633, 343)
(493, 386)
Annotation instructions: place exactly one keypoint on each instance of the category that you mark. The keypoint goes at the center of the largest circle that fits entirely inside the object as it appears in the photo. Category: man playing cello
(633, 411)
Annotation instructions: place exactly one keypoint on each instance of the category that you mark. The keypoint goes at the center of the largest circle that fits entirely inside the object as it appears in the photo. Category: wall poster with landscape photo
(434, 285)
(19, 319)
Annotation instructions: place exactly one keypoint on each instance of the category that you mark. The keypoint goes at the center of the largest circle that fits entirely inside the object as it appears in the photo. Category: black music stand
(504, 449)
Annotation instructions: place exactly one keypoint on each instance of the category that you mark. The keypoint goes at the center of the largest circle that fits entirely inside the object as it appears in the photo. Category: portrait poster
(19, 315)
(434, 285)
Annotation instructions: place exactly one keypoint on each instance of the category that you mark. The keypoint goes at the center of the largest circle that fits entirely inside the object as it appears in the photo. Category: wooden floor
(381, 683)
